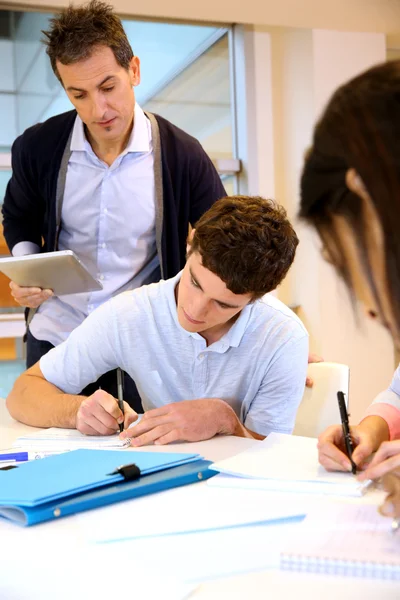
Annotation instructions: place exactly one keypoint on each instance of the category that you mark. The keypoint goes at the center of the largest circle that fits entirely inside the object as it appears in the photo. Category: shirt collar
(231, 338)
(139, 140)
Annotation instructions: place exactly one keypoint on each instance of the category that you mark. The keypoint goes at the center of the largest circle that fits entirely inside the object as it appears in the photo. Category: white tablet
(60, 271)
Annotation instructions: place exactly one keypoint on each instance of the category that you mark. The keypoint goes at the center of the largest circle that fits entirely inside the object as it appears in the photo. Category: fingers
(101, 412)
(150, 419)
(386, 450)
(385, 463)
(155, 434)
(361, 453)
(130, 416)
(391, 506)
(86, 429)
(29, 296)
(314, 358)
(169, 438)
(309, 382)
(152, 427)
(329, 447)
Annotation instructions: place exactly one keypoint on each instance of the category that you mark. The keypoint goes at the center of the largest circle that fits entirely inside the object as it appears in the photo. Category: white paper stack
(62, 440)
(283, 463)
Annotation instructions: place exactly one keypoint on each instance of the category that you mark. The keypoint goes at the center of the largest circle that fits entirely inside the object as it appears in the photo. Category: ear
(189, 240)
(134, 70)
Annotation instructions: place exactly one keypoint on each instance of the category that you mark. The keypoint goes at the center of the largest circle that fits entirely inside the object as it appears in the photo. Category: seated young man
(209, 352)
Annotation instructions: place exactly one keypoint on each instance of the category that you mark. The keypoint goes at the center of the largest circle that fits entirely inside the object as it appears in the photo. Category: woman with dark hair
(350, 192)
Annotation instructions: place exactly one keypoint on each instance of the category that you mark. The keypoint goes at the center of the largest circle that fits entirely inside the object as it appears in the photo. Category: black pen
(344, 417)
(120, 389)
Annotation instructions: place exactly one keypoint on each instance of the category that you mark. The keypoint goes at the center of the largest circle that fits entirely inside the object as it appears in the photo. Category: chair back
(319, 406)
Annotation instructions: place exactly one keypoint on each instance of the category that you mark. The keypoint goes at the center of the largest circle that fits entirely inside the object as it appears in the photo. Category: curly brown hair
(77, 30)
(248, 242)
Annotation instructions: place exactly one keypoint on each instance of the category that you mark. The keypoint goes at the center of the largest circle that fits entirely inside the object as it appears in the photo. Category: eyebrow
(75, 89)
(215, 299)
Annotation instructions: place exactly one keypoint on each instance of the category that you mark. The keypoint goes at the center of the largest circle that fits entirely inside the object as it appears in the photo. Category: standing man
(116, 185)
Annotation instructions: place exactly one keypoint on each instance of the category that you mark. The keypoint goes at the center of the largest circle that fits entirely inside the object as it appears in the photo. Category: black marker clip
(129, 472)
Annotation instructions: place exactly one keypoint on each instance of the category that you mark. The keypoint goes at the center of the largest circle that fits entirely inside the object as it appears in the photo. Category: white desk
(54, 554)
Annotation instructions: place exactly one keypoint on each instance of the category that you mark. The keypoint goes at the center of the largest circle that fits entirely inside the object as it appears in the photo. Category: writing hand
(99, 414)
(332, 449)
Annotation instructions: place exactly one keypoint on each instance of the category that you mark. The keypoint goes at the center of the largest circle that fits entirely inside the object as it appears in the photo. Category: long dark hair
(359, 129)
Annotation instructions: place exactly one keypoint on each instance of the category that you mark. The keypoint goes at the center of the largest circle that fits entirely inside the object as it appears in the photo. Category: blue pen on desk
(22, 456)
(14, 456)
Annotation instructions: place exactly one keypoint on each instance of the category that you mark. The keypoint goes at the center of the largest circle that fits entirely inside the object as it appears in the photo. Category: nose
(99, 108)
(199, 309)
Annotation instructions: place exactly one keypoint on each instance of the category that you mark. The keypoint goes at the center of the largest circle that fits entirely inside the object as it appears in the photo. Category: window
(185, 78)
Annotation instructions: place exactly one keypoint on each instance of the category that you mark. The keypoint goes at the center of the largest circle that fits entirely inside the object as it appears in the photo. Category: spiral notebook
(344, 539)
(57, 440)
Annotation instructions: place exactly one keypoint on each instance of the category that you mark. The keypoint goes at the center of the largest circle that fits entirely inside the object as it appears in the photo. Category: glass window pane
(198, 100)
(172, 84)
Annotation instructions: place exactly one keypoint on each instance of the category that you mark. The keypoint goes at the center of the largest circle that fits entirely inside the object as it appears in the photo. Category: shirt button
(105, 211)
(101, 276)
(103, 245)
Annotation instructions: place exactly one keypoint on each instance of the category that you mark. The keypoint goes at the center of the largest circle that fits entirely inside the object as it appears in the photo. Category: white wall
(307, 67)
(350, 15)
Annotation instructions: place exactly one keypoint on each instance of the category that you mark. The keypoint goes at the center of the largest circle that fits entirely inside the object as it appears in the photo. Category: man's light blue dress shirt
(108, 220)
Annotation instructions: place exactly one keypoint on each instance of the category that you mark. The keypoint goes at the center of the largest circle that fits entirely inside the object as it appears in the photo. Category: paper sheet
(191, 508)
(62, 440)
(98, 572)
(286, 463)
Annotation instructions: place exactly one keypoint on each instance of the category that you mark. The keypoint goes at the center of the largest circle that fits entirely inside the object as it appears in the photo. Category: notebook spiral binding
(329, 566)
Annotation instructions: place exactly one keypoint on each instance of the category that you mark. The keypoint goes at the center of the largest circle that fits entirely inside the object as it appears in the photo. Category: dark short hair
(77, 30)
(248, 242)
(360, 129)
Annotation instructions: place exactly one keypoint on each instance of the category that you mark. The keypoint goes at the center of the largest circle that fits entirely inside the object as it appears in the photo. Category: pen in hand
(344, 417)
(120, 390)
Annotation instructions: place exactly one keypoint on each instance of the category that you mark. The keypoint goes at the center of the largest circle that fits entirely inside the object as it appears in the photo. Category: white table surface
(35, 560)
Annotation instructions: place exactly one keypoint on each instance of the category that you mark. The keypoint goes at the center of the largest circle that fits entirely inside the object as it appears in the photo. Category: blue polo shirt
(258, 367)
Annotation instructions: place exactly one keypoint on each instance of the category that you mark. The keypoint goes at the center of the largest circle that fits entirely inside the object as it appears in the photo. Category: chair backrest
(319, 406)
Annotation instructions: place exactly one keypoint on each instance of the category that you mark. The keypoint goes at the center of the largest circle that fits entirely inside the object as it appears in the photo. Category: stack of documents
(61, 440)
(284, 463)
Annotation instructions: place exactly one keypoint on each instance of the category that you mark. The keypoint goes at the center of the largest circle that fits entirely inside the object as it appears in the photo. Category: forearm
(231, 425)
(36, 402)
(377, 429)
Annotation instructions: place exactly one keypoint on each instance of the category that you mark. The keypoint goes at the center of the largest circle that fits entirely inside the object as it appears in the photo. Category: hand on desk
(188, 420)
(99, 414)
(32, 297)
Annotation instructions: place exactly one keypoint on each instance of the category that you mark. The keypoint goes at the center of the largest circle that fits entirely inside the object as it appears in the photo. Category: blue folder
(68, 483)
